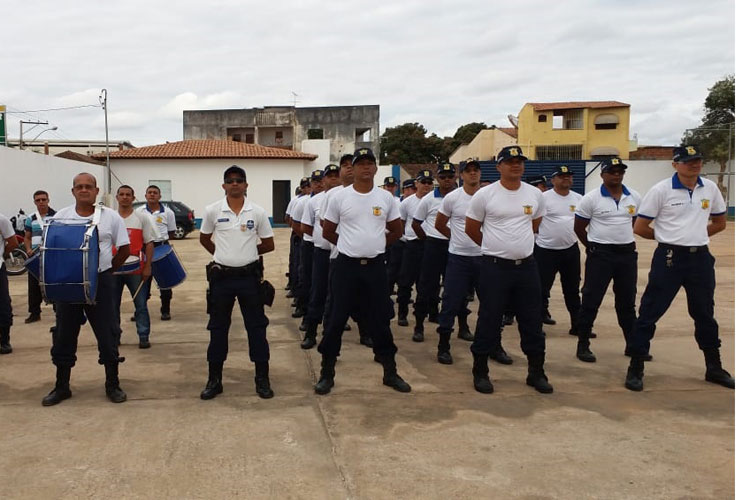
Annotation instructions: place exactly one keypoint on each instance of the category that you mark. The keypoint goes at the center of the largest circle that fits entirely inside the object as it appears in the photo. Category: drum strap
(94, 220)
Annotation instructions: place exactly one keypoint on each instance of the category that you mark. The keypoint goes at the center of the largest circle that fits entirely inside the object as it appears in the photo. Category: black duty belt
(508, 262)
(613, 247)
(216, 270)
(160, 243)
(438, 241)
(363, 261)
(679, 248)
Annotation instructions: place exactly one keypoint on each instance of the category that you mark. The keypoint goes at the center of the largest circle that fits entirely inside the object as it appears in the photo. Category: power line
(55, 109)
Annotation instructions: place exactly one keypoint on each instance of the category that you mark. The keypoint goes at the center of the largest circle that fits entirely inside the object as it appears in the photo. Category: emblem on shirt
(250, 224)
(631, 209)
(527, 209)
(377, 211)
(705, 203)
(572, 208)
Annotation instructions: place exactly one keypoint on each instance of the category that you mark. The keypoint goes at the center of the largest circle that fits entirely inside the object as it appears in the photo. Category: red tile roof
(547, 106)
(208, 148)
(511, 131)
(72, 155)
(652, 153)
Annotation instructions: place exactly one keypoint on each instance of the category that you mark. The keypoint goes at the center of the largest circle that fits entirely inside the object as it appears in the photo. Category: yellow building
(574, 130)
(486, 145)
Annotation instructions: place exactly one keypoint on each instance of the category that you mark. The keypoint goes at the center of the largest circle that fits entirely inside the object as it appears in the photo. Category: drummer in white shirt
(165, 222)
(101, 315)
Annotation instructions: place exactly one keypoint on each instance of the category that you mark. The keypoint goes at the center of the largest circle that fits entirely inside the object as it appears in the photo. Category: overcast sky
(440, 63)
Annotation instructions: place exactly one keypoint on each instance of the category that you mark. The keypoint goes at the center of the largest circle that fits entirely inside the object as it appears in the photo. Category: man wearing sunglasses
(241, 234)
(32, 239)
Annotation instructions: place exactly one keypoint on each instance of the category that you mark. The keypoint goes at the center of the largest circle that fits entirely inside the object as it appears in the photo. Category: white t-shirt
(681, 216)
(610, 221)
(111, 229)
(311, 218)
(299, 210)
(163, 219)
(427, 211)
(290, 206)
(407, 209)
(323, 208)
(6, 231)
(236, 236)
(455, 204)
(556, 229)
(506, 217)
(361, 219)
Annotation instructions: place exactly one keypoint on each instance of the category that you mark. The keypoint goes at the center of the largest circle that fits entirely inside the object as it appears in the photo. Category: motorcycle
(14, 262)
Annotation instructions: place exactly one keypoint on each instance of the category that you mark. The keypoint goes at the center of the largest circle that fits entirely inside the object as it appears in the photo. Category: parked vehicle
(184, 217)
(14, 262)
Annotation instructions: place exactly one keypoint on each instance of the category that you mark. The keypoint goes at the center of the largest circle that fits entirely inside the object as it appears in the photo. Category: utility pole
(103, 101)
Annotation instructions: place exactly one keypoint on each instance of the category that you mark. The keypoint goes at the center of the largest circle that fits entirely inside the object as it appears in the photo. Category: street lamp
(20, 140)
(54, 127)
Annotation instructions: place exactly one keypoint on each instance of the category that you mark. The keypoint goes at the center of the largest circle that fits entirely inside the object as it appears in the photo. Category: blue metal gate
(534, 167)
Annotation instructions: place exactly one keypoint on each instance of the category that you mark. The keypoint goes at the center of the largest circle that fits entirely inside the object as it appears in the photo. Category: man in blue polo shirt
(608, 214)
(680, 209)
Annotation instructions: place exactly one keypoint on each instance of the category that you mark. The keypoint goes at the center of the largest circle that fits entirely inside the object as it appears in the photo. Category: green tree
(715, 137)
(409, 143)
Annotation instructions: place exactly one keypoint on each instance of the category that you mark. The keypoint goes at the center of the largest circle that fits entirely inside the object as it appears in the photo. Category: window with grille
(569, 119)
(562, 152)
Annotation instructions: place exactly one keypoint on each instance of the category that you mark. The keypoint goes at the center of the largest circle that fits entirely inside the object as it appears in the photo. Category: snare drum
(69, 263)
(131, 265)
(166, 267)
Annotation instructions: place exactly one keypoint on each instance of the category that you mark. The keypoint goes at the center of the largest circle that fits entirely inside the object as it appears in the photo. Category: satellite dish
(513, 120)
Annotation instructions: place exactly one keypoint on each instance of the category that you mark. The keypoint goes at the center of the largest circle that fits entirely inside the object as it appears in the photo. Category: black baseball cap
(316, 175)
(305, 181)
(470, 163)
(235, 170)
(390, 181)
(562, 170)
(612, 163)
(446, 168)
(363, 153)
(682, 154)
(331, 167)
(509, 152)
(536, 179)
(408, 183)
(425, 175)
(345, 158)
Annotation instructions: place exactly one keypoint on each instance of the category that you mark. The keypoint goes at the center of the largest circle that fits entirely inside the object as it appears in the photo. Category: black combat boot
(464, 332)
(634, 377)
(61, 391)
(299, 312)
(536, 377)
(391, 377)
(5, 347)
(403, 311)
(498, 354)
(714, 371)
(165, 309)
(262, 382)
(327, 373)
(311, 335)
(583, 350)
(418, 329)
(481, 373)
(112, 384)
(444, 349)
(213, 386)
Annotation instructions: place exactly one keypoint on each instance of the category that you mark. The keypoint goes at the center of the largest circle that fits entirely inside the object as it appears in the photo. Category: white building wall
(197, 183)
(22, 172)
(320, 147)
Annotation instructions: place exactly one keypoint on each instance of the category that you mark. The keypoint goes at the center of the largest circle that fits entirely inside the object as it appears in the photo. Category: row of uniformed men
(527, 237)
(360, 221)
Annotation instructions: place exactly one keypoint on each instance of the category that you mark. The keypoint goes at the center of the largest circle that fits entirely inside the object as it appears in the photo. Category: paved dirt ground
(592, 438)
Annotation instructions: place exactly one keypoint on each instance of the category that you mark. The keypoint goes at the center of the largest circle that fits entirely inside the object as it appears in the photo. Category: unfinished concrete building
(347, 127)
